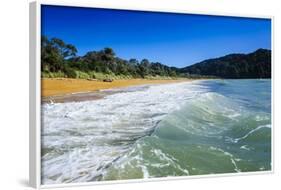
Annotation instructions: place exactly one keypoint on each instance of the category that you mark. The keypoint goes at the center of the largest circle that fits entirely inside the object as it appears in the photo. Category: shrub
(47, 74)
(70, 73)
(92, 74)
(82, 75)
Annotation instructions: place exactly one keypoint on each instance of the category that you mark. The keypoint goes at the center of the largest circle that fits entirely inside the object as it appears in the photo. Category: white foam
(250, 132)
(245, 147)
(81, 139)
(232, 159)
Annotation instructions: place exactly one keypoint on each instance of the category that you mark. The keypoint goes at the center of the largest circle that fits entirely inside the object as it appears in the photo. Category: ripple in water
(163, 130)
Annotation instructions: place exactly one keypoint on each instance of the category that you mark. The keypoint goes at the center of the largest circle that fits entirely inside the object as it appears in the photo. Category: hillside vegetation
(59, 59)
(252, 65)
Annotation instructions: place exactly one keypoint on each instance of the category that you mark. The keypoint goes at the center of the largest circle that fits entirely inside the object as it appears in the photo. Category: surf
(211, 133)
(191, 128)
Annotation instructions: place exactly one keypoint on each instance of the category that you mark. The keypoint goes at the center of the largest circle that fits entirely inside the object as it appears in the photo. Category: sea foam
(80, 140)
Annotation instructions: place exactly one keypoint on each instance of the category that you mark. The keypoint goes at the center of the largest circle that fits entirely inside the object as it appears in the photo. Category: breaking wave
(178, 129)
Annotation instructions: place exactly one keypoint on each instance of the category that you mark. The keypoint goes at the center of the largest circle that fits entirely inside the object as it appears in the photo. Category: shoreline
(61, 90)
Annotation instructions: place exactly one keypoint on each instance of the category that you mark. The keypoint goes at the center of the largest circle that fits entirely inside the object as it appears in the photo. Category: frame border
(35, 92)
(34, 95)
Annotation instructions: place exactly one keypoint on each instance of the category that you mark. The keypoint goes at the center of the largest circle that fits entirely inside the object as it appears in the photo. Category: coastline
(60, 90)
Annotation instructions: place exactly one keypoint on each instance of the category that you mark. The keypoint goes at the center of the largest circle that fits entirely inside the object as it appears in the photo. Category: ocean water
(188, 128)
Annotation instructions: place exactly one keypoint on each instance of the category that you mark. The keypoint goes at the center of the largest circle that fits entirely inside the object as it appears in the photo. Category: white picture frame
(35, 93)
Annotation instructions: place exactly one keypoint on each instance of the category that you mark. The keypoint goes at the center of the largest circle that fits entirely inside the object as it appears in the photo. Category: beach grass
(62, 86)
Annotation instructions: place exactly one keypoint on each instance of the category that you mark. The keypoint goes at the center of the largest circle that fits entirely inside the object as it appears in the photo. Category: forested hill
(252, 65)
(59, 59)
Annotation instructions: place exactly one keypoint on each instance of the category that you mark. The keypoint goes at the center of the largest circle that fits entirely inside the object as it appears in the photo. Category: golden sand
(56, 87)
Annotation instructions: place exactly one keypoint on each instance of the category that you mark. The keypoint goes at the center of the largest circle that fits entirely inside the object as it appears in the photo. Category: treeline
(252, 65)
(59, 59)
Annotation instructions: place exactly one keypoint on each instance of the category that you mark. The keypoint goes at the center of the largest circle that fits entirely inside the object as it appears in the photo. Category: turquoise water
(189, 128)
(224, 130)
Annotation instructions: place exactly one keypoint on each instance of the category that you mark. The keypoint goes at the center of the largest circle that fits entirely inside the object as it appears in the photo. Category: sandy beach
(65, 90)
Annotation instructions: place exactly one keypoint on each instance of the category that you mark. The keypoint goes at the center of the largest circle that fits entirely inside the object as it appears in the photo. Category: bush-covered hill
(59, 59)
(252, 65)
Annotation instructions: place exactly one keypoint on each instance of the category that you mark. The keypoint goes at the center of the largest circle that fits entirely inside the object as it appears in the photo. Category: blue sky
(172, 39)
